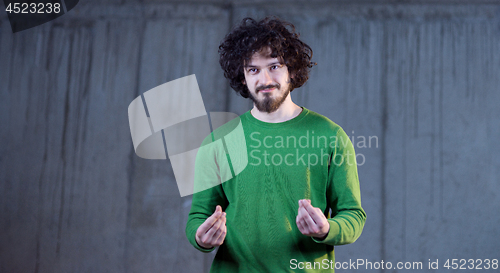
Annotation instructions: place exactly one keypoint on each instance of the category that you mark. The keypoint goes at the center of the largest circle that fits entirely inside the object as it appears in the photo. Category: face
(267, 80)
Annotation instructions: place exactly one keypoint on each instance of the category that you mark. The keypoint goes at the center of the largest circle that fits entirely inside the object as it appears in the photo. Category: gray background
(421, 76)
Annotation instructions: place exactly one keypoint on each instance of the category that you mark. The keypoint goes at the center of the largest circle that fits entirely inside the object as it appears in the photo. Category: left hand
(311, 221)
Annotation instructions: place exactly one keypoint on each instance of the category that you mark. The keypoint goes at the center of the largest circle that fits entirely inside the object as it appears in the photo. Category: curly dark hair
(250, 37)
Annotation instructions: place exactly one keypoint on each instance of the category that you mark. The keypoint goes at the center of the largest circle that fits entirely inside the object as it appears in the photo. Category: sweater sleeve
(343, 194)
(208, 192)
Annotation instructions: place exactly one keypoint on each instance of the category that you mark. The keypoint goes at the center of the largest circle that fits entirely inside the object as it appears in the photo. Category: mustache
(269, 86)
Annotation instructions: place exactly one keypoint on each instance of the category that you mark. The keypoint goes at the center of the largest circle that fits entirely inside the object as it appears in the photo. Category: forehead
(262, 57)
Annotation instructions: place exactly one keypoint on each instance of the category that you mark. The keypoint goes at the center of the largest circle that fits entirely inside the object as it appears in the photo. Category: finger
(211, 232)
(315, 213)
(318, 217)
(222, 236)
(301, 213)
(305, 221)
(210, 237)
(205, 227)
(302, 218)
(301, 227)
(307, 205)
(309, 222)
(215, 239)
(320, 222)
(218, 237)
(220, 228)
(210, 221)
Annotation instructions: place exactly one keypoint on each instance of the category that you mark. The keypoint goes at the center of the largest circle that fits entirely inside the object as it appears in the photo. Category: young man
(274, 216)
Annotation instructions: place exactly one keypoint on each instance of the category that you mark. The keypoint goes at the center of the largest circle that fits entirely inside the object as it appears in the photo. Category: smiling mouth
(267, 90)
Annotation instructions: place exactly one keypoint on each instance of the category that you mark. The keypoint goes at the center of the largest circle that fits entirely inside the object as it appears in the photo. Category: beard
(269, 104)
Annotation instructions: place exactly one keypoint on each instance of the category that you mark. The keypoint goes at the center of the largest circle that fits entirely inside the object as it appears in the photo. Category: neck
(288, 110)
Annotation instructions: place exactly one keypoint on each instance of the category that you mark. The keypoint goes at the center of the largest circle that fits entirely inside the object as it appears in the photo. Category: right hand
(213, 231)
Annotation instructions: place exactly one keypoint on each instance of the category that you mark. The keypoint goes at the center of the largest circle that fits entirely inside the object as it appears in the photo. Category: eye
(274, 67)
(252, 70)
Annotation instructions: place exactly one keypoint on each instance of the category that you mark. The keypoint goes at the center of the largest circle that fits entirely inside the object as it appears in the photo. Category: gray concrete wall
(419, 77)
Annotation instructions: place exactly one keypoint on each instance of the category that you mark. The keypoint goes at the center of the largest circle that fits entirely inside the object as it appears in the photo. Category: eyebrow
(269, 64)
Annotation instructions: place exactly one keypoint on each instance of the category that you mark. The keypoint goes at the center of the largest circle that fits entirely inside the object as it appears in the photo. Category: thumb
(218, 209)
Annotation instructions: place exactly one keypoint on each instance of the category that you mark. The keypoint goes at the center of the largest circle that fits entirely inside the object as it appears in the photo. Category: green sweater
(309, 157)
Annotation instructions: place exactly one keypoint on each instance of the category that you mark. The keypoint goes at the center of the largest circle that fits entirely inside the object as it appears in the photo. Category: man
(274, 215)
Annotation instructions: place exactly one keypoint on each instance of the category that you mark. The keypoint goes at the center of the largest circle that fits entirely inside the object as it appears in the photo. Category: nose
(265, 78)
